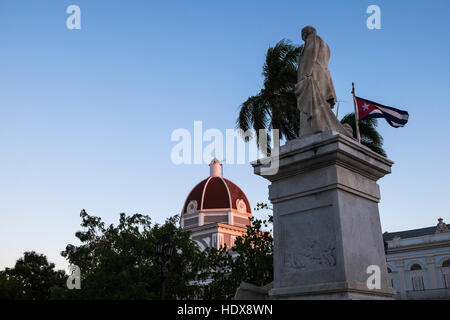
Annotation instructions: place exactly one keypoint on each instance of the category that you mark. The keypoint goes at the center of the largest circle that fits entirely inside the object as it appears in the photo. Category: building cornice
(421, 246)
(217, 225)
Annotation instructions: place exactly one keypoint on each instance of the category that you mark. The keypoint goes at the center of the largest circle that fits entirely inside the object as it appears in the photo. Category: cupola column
(215, 168)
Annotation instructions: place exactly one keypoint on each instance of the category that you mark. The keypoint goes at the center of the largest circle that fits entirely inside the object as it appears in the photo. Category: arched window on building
(416, 274)
(445, 269)
(416, 267)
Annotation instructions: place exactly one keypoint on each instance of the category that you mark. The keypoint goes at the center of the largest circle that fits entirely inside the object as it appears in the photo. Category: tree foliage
(250, 260)
(369, 134)
(275, 106)
(119, 262)
(10, 288)
(32, 277)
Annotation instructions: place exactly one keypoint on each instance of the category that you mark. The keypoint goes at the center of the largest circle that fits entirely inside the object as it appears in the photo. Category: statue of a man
(314, 89)
(314, 62)
(441, 226)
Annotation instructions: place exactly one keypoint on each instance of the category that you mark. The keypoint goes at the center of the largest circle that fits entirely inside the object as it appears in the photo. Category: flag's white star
(365, 106)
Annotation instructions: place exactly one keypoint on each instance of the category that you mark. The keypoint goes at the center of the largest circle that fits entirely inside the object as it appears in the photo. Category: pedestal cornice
(325, 149)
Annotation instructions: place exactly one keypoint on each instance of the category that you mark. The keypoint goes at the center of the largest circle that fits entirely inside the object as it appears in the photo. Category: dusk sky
(86, 116)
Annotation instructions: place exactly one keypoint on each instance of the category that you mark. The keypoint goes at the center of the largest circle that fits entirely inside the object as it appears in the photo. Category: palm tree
(275, 106)
(369, 134)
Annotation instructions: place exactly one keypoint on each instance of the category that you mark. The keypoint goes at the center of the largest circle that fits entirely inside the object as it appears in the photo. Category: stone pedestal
(326, 223)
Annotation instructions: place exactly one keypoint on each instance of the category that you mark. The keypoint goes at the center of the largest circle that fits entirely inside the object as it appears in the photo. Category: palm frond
(367, 129)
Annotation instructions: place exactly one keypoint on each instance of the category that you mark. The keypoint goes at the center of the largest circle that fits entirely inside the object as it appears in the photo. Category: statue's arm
(309, 56)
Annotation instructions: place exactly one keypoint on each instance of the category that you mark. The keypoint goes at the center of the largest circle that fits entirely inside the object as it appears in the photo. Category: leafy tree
(119, 262)
(250, 260)
(34, 276)
(11, 289)
(255, 254)
(187, 263)
(221, 280)
(275, 106)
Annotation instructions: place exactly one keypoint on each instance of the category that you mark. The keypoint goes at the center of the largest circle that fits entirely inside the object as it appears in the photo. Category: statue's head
(307, 31)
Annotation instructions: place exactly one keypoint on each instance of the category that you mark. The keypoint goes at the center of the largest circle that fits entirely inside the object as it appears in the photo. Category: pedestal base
(331, 291)
(327, 228)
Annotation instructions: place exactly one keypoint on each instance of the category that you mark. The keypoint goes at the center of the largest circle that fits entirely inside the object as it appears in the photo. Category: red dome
(216, 192)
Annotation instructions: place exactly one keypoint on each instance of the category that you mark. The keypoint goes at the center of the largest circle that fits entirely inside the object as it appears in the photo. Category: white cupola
(215, 168)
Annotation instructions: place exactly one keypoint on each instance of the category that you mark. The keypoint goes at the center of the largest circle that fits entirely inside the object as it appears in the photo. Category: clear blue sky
(86, 115)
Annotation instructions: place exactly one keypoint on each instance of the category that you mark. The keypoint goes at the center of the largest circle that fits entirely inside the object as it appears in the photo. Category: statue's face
(304, 35)
(307, 31)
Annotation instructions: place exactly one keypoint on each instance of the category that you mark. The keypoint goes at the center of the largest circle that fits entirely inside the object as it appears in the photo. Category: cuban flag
(368, 109)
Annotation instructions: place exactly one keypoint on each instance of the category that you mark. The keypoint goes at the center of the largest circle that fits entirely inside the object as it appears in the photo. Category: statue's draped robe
(315, 91)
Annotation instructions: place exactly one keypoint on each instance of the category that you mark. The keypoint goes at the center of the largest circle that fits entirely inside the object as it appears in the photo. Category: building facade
(419, 262)
(216, 210)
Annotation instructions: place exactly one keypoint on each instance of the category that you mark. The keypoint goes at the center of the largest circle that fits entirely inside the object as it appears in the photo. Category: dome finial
(215, 168)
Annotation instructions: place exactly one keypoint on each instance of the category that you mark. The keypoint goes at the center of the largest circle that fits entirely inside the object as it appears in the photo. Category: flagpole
(358, 136)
